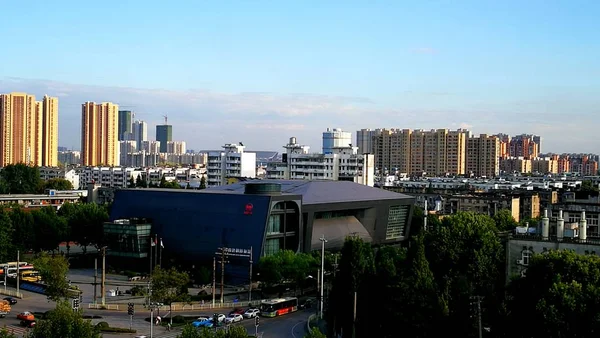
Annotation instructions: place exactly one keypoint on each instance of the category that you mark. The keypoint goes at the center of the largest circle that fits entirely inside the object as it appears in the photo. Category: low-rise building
(232, 161)
(343, 163)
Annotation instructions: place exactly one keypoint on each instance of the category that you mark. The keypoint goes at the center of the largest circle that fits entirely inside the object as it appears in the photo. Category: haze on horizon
(262, 72)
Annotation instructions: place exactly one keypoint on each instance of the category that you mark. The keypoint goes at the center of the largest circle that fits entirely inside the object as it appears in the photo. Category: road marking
(294, 328)
(20, 331)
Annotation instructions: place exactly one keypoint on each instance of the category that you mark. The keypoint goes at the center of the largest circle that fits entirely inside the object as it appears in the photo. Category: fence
(11, 293)
(180, 306)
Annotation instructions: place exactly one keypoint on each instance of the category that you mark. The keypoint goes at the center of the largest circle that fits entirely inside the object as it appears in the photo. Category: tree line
(450, 275)
(24, 179)
(43, 229)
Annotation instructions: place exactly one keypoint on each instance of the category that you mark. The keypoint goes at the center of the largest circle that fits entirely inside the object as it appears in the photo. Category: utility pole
(102, 288)
(160, 253)
(222, 273)
(95, 280)
(156, 250)
(150, 255)
(323, 241)
(476, 303)
(5, 273)
(214, 287)
(151, 310)
(249, 283)
(425, 215)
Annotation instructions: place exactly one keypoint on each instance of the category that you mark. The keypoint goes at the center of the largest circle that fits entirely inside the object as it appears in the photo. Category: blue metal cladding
(195, 224)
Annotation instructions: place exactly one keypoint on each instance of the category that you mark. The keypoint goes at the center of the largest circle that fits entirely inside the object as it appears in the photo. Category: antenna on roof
(165, 116)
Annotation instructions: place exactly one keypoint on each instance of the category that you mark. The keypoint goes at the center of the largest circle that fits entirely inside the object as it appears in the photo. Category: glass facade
(397, 219)
(128, 238)
(282, 228)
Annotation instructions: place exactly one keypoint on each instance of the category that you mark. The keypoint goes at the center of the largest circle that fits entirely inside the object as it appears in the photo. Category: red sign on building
(248, 209)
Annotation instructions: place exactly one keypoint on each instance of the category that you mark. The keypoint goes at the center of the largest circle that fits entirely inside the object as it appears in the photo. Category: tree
(163, 181)
(131, 182)
(53, 270)
(63, 322)
(504, 220)
(315, 333)
(57, 184)
(287, 265)
(23, 225)
(356, 267)
(559, 294)
(170, 286)
(20, 179)
(49, 229)
(203, 182)
(140, 182)
(232, 332)
(467, 259)
(86, 223)
(6, 237)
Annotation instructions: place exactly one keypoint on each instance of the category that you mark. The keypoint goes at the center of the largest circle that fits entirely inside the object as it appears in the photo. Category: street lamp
(323, 241)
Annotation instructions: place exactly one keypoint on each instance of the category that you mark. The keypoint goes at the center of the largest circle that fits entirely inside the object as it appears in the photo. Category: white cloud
(207, 119)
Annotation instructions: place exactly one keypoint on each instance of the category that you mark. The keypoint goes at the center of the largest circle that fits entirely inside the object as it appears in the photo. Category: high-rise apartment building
(364, 140)
(124, 125)
(526, 146)
(176, 147)
(164, 134)
(99, 134)
(433, 152)
(139, 133)
(483, 156)
(335, 138)
(28, 130)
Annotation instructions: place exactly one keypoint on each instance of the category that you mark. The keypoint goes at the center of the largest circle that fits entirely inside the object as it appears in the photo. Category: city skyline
(260, 73)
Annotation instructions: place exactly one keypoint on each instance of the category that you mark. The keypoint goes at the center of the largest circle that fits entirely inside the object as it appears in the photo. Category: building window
(271, 246)
(274, 226)
(526, 257)
(396, 222)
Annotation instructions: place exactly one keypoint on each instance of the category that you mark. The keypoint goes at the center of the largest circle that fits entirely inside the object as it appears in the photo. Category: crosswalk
(17, 330)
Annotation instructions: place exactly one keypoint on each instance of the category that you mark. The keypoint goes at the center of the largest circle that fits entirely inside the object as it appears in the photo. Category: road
(292, 325)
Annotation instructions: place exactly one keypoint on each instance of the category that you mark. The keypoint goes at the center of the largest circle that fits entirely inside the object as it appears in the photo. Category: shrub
(179, 319)
(117, 330)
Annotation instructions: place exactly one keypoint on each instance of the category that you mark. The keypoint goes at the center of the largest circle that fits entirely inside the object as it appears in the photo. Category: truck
(4, 308)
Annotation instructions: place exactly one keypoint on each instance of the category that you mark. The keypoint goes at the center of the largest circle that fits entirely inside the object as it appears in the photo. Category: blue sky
(262, 71)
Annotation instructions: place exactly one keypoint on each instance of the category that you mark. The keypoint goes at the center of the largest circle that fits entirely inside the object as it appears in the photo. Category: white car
(233, 318)
(251, 313)
(220, 317)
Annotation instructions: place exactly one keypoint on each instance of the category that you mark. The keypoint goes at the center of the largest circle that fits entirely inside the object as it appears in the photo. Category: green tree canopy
(63, 322)
(49, 228)
(467, 259)
(315, 333)
(559, 295)
(20, 179)
(86, 222)
(203, 182)
(6, 237)
(233, 332)
(57, 184)
(4, 333)
(24, 231)
(286, 265)
(170, 286)
(504, 220)
(53, 270)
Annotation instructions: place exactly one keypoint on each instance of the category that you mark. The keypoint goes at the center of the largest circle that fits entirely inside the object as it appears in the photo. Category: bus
(31, 276)
(11, 265)
(278, 307)
(12, 272)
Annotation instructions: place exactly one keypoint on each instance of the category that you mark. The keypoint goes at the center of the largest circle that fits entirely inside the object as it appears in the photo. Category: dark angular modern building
(265, 215)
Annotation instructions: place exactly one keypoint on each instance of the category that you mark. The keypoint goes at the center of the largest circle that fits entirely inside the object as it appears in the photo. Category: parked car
(11, 300)
(206, 322)
(220, 317)
(251, 313)
(237, 311)
(202, 318)
(307, 304)
(26, 316)
(234, 318)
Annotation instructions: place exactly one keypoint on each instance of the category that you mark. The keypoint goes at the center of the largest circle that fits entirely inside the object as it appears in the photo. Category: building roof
(320, 191)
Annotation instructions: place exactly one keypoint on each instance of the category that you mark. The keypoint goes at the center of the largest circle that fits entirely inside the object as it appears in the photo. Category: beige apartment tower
(99, 134)
(28, 130)
(483, 154)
